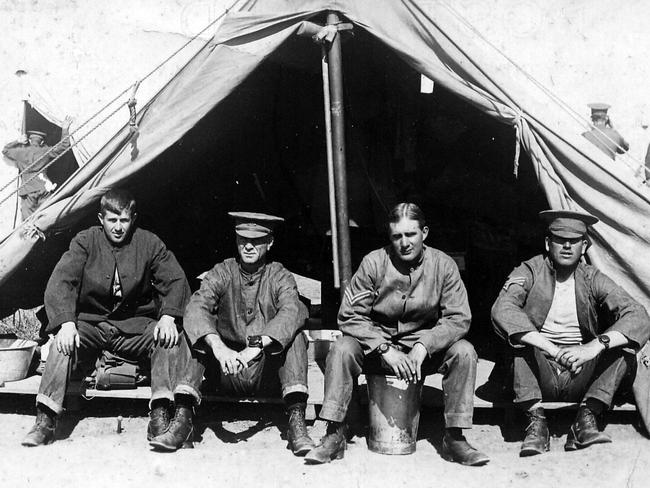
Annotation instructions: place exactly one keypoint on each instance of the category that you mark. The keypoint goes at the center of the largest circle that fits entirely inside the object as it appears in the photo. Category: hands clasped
(574, 357)
(233, 362)
(407, 367)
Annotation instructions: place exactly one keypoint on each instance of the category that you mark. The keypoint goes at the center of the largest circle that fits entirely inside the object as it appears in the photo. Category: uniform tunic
(426, 303)
(219, 306)
(81, 286)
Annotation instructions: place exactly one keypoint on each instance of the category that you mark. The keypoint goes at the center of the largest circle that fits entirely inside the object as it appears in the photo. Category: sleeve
(200, 317)
(169, 281)
(624, 313)
(61, 147)
(455, 314)
(12, 151)
(354, 313)
(508, 315)
(62, 290)
(291, 314)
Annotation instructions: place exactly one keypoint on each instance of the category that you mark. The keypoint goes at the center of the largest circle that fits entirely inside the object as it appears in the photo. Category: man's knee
(463, 351)
(345, 347)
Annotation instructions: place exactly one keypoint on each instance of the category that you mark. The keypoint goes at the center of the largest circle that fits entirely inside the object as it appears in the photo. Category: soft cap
(566, 223)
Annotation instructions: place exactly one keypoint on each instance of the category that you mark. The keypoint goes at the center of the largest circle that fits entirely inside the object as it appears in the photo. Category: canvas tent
(427, 36)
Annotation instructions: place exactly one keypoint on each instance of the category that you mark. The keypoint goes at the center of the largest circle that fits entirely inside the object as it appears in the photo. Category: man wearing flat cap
(247, 316)
(30, 156)
(603, 135)
(573, 331)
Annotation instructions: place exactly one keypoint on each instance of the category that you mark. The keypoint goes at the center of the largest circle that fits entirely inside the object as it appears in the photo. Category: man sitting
(118, 289)
(405, 313)
(569, 324)
(247, 315)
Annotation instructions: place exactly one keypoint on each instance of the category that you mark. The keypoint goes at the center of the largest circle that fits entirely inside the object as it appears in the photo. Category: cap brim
(550, 215)
(251, 234)
(566, 234)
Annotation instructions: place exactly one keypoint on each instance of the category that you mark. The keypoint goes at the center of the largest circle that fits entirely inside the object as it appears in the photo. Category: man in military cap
(247, 315)
(572, 328)
(603, 135)
(30, 155)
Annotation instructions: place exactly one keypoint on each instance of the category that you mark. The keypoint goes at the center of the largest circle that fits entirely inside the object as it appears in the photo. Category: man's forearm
(535, 339)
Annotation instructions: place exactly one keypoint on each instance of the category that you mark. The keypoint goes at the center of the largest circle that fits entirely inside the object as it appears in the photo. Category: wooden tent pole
(338, 152)
(330, 168)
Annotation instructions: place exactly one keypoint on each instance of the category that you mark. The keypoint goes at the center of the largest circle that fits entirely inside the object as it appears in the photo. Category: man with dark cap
(30, 156)
(603, 135)
(119, 289)
(247, 316)
(572, 328)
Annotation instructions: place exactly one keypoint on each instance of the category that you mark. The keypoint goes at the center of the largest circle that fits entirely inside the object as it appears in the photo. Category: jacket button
(403, 297)
(249, 311)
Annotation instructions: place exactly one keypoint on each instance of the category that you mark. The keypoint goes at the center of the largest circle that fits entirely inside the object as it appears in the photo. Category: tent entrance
(262, 149)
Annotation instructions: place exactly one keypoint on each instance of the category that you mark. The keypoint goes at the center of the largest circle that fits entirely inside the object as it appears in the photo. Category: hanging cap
(567, 224)
(254, 225)
(37, 133)
(598, 108)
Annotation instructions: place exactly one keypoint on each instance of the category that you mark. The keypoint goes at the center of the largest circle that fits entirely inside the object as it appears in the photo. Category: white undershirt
(561, 325)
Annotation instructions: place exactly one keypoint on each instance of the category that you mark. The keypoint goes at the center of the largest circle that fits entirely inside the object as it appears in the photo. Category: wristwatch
(604, 340)
(383, 347)
(255, 341)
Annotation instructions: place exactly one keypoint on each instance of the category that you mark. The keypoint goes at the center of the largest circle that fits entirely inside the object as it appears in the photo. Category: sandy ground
(244, 446)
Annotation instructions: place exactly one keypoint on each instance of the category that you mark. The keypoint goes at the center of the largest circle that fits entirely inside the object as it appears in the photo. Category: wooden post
(338, 153)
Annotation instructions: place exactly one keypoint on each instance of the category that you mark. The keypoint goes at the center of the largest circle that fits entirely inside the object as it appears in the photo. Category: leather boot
(179, 433)
(299, 441)
(584, 431)
(537, 440)
(43, 430)
(456, 449)
(159, 419)
(332, 445)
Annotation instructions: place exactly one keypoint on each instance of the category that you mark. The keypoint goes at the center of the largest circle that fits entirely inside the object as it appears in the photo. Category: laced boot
(584, 431)
(332, 445)
(43, 430)
(179, 433)
(456, 449)
(299, 441)
(159, 419)
(537, 440)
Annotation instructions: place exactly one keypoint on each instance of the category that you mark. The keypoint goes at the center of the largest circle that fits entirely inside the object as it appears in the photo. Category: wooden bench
(432, 394)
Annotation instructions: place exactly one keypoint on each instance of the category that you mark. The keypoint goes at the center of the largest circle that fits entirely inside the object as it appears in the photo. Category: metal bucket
(393, 414)
(15, 358)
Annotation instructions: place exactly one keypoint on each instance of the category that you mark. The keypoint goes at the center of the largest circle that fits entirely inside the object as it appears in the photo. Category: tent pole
(330, 168)
(338, 150)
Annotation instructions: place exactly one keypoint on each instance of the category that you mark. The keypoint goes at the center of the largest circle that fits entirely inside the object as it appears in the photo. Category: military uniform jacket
(24, 155)
(153, 283)
(218, 307)
(601, 305)
(426, 303)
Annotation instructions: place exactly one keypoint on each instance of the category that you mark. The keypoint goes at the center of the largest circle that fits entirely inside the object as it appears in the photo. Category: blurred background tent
(239, 127)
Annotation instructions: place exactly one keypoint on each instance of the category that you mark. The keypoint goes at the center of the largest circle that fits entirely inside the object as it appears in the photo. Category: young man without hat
(246, 317)
(119, 289)
(572, 328)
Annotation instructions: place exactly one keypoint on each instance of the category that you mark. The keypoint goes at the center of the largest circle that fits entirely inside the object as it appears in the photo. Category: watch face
(255, 341)
(383, 347)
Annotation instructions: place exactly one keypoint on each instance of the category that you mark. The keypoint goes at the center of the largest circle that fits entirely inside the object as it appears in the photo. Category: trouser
(267, 375)
(30, 202)
(346, 361)
(537, 377)
(171, 369)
